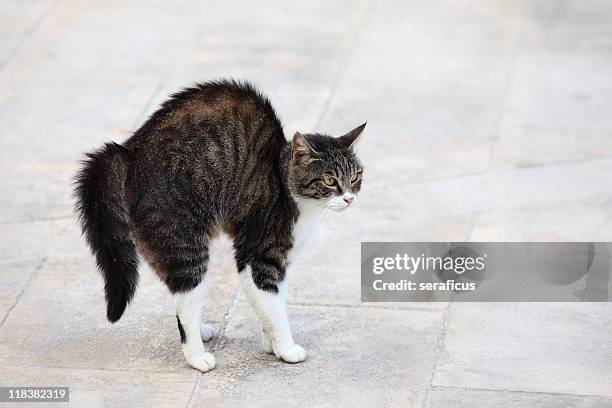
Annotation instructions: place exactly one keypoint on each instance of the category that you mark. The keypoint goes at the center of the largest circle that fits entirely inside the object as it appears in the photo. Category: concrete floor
(488, 120)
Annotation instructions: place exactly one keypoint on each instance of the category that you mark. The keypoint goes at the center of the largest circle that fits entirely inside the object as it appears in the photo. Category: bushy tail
(103, 212)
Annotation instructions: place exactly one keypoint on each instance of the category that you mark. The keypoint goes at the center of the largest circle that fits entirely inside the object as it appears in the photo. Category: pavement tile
(290, 50)
(15, 278)
(357, 357)
(104, 388)
(443, 397)
(18, 20)
(552, 185)
(54, 238)
(514, 346)
(562, 59)
(577, 221)
(19, 16)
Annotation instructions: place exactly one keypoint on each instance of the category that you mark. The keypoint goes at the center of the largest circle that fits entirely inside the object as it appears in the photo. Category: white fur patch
(311, 212)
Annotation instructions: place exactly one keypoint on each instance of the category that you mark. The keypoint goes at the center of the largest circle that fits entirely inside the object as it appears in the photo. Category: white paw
(292, 354)
(204, 362)
(206, 331)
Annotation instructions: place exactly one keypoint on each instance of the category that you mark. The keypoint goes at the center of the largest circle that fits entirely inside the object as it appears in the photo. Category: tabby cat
(212, 159)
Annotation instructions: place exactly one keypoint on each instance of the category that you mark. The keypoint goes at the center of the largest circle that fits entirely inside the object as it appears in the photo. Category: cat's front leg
(267, 297)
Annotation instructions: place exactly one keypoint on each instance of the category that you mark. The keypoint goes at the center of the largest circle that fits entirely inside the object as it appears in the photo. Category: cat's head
(325, 169)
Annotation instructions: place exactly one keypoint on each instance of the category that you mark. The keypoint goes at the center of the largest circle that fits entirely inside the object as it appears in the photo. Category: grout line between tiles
(358, 25)
(27, 35)
(365, 305)
(437, 356)
(500, 390)
(171, 74)
(509, 82)
(219, 341)
(25, 287)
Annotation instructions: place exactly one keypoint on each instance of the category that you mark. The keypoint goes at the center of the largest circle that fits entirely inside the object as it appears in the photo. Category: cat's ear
(301, 149)
(351, 139)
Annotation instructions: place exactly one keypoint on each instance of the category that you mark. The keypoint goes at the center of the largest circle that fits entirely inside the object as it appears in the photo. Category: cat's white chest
(311, 213)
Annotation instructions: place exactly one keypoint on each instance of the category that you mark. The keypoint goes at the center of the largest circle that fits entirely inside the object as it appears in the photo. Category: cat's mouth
(340, 203)
(338, 207)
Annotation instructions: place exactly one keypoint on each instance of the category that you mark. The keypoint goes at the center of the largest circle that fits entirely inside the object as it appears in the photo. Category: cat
(212, 159)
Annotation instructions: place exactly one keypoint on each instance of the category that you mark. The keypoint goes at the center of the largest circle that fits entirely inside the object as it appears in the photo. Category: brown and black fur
(213, 158)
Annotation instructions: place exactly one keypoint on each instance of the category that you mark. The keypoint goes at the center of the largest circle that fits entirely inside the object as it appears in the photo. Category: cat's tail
(104, 217)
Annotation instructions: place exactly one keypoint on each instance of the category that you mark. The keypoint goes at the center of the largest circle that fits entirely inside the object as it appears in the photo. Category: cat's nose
(348, 199)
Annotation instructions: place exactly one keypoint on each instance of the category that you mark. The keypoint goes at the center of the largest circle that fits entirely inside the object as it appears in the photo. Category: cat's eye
(329, 181)
(355, 177)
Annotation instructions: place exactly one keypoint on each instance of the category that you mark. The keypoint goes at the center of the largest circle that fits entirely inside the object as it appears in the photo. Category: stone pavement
(487, 120)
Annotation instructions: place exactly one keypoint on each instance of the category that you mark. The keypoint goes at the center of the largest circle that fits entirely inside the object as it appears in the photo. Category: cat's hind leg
(181, 262)
(192, 331)
(175, 244)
